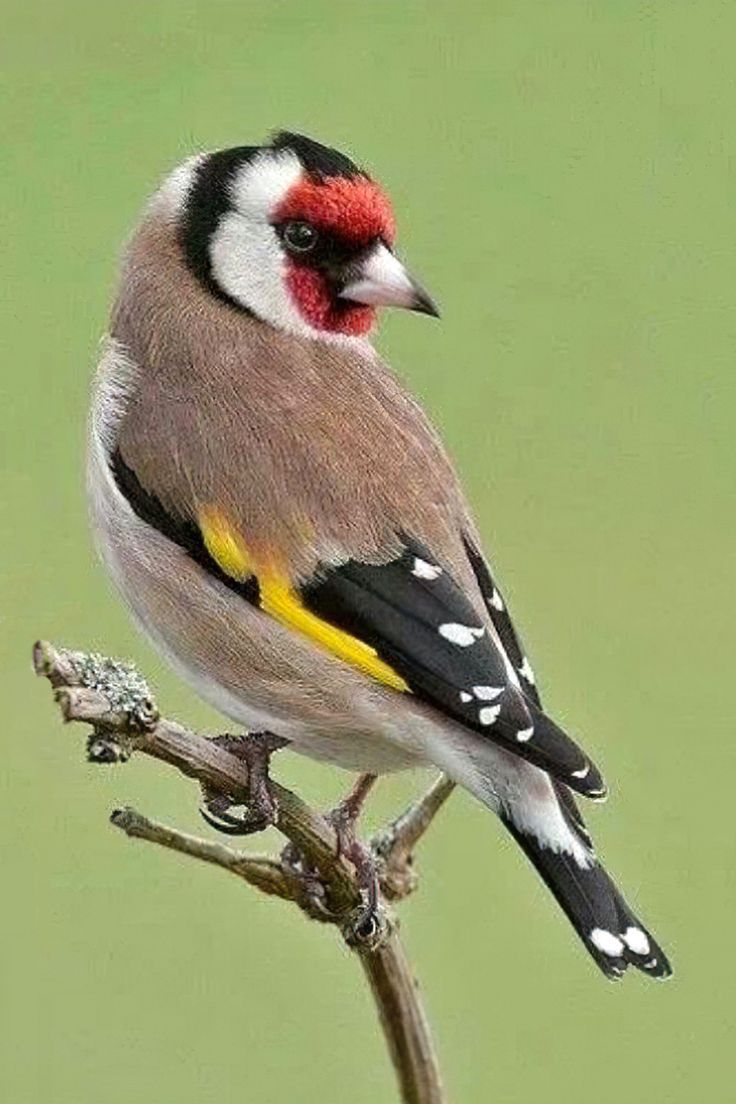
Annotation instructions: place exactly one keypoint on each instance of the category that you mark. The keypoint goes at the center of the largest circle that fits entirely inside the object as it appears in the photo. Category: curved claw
(367, 934)
(343, 820)
(365, 868)
(231, 825)
(261, 809)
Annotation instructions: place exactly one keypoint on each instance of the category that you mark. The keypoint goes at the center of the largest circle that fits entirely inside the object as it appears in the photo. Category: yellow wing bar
(279, 599)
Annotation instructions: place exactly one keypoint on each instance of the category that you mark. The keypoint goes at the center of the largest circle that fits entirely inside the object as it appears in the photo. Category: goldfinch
(285, 524)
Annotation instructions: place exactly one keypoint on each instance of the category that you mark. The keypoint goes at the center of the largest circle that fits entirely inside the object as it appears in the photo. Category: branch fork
(311, 872)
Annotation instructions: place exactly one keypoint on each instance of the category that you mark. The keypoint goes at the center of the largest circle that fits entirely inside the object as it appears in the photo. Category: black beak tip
(424, 304)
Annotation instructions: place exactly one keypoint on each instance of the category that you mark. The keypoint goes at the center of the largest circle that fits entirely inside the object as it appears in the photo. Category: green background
(563, 175)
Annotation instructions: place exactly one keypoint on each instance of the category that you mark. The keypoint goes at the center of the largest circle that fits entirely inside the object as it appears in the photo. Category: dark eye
(300, 237)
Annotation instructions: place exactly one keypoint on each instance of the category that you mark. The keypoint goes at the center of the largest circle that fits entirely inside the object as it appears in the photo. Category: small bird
(285, 524)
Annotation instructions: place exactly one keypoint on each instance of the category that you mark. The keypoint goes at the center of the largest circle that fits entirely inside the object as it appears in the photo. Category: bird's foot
(315, 897)
(344, 818)
(366, 921)
(259, 810)
(369, 923)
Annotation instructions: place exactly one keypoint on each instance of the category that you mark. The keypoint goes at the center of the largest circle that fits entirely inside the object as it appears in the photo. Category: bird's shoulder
(289, 437)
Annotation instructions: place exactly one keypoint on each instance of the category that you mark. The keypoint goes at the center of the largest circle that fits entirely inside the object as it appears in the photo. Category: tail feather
(550, 829)
(543, 817)
(610, 930)
(551, 748)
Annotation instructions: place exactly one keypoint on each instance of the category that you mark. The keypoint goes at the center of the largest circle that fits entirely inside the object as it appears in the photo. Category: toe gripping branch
(230, 814)
(325, 869)
(259, 810)
(344, 819)
(235, 816)
(381, 867)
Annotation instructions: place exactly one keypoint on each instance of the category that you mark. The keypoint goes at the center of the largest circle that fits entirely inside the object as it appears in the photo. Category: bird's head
(294, 233)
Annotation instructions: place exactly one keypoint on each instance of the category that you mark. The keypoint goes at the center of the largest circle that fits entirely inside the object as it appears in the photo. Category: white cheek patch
(245, 254)
(247, 263)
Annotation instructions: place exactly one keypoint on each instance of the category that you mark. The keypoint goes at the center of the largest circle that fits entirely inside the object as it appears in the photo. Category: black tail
(611, 932)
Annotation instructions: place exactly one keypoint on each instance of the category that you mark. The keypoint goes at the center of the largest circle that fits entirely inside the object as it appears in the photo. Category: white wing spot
(525, 734)
(465, 696)
(650, 964)
(582, 772)
(636, 940)
(487, 693)
(424, 570)
(488, 715)
(526, 671)
(497, 600)
(606, 942)
(462, 635)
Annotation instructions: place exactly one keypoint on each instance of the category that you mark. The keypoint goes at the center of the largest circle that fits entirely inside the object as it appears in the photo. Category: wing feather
(405, 623)
(418, 620)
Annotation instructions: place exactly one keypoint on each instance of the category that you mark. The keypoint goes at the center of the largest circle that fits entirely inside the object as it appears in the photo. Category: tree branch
(394, 845)
(259, 871)
(404, 1023)
(115, 700)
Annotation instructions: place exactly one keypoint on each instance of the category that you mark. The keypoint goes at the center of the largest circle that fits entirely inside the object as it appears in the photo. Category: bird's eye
(300, 237)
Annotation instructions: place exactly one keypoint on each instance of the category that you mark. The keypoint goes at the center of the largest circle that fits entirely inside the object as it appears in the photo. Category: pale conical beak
(382, 281)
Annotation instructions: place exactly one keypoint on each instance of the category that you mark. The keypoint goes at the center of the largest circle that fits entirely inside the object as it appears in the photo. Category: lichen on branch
(114, 699)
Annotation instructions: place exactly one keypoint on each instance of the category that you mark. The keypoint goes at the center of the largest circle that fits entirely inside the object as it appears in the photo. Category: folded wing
(423, 626)
(405, 623)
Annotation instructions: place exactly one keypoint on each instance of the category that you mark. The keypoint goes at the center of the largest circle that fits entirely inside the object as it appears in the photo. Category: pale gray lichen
(121, 684)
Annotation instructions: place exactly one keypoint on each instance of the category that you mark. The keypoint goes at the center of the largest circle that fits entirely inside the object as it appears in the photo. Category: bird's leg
(343, 819)
(259, 809)
(344, 816)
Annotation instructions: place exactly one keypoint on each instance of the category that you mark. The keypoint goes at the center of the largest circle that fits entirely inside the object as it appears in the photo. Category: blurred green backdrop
(564, 179)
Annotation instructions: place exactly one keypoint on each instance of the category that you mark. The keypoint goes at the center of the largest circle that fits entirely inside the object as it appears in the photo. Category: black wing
(509, 637)
(421, 623)
(501, 618)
